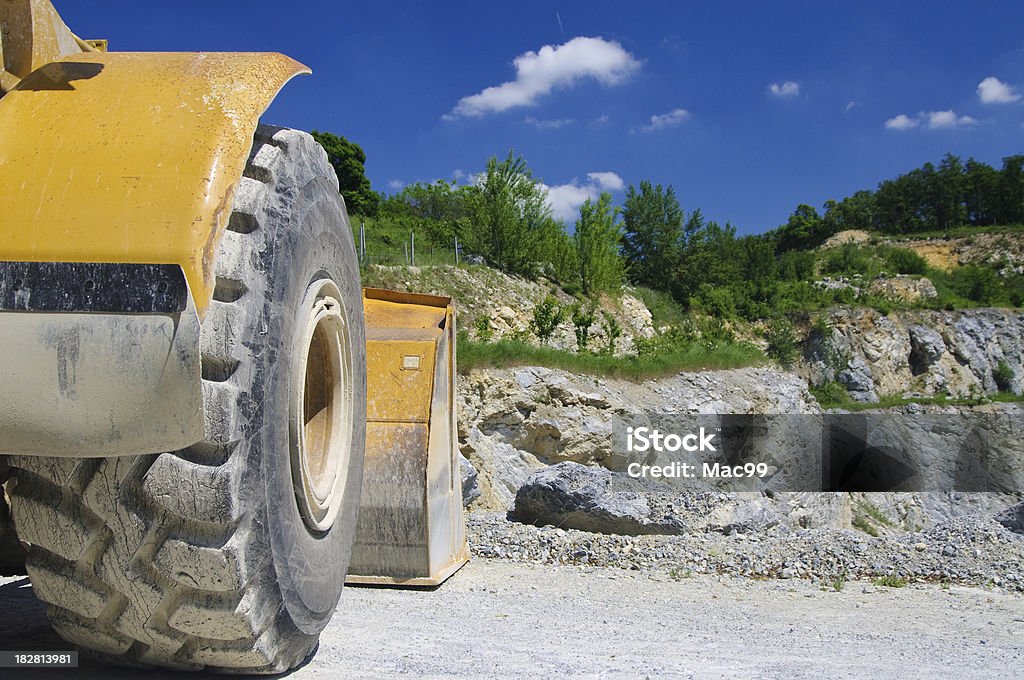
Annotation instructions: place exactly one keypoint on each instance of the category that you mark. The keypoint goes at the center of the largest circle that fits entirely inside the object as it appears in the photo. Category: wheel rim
(321, 406)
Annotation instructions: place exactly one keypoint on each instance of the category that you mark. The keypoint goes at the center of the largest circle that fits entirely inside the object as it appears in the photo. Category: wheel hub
(321, 406)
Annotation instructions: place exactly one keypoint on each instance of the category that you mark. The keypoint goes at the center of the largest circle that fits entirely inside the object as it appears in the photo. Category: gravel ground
(497, 618)
(972, 551)
(546, 602)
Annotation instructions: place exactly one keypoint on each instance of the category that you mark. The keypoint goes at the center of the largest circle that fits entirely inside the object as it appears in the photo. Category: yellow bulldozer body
(118, 173)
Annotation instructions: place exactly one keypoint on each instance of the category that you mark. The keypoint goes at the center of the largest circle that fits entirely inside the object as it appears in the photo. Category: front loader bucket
(411, 529)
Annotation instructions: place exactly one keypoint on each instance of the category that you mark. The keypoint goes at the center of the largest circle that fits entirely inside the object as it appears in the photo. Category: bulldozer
(206, 424)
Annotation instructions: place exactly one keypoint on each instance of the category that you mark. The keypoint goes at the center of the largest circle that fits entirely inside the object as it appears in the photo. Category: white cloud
(946, 119)
(565, 199)
(994, 91)
(849, 105)
(667, 120)
(600, 121)
(609, 181)
(396, 184)
(786, 89)
(933, 120)
(901, 122)
(548, 124)
(538, 73)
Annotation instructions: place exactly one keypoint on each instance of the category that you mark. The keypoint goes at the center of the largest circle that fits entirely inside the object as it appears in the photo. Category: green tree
(946, 194)
(612, 331)
(597, 240)
(439, 210)
(349, 161)
(1011, 185)
(804, 229)
(981, 193)
(509, 221)
(783, 344)
(652, 223)
(853, 212)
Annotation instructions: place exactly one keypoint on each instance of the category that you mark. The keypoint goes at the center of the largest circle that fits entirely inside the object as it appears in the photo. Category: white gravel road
(500, 619)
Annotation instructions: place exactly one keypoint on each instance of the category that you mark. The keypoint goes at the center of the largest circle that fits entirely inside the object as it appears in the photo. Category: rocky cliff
(917, 352)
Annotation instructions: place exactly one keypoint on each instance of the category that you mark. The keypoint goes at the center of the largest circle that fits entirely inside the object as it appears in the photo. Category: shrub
(546, 316)
(713, 331)
(848, 260)
(796, 265)
(484, 332)
(1014, 286)
(1004, 376)
(611, 329)
(782, 341)
(822, 326)
(582, 318)
(665, 311)
(906, 261)
(976, 282)
(715, 301)
(831, 395)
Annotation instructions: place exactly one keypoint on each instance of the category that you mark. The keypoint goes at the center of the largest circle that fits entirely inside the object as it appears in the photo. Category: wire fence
(408, 252)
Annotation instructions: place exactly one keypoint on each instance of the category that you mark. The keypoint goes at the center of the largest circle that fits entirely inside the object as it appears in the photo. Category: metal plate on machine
(396, 393)
(92, 287)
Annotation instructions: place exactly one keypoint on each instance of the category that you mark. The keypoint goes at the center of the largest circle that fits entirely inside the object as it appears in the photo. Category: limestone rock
(904, 288)
(574, 496)
(856, 378)
(470, 481)
(925, 352)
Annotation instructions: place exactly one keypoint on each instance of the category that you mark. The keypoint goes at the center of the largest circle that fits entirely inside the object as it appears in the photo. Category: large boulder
(574, 496)
(926, 348)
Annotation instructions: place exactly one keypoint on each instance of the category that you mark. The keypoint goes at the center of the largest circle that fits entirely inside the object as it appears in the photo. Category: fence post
(456, 251)
(412, 248)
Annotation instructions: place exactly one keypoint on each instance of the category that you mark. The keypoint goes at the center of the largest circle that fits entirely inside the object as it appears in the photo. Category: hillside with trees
(708, 285)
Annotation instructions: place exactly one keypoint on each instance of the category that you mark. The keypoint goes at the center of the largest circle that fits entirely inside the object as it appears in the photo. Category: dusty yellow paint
(131, 157)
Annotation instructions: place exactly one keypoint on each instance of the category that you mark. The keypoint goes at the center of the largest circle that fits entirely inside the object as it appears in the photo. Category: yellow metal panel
(399, 380)
(390, 310)
(131, 157)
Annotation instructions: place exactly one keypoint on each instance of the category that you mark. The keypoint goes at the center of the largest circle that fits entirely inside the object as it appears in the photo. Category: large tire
(231, 554)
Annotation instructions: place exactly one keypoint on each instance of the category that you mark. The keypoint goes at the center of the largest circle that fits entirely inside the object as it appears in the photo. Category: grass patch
(695, 357)
(864, 524)
(874, 512)
(833, 395)
(677, 574)
(890, 581)
(839, 582)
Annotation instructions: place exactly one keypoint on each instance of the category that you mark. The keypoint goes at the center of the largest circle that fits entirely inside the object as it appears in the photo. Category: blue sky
(746, 108)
